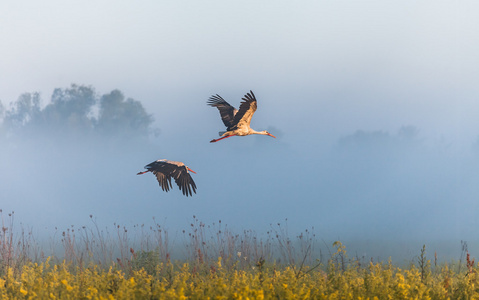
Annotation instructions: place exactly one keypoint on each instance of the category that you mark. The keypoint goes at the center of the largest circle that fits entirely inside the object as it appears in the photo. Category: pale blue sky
(369, 64)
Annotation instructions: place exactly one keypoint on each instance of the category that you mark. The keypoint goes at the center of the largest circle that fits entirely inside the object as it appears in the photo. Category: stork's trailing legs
(215, 140)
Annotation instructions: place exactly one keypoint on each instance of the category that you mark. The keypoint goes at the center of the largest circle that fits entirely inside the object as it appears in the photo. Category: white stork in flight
(236, 121)
(164, 170)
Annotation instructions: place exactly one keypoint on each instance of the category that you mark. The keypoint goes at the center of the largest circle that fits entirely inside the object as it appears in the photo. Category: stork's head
(267, 133)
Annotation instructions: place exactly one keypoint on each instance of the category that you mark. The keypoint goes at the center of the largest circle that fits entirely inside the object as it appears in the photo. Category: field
(215, 263)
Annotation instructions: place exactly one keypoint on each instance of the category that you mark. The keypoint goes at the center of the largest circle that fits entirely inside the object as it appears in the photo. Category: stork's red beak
(271, 135)
(191, 170)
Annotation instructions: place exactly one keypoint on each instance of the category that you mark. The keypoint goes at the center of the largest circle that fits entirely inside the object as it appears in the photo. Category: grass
(215, 262)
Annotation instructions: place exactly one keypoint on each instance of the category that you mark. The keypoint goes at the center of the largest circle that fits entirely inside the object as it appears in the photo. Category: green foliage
(223, 274)
(146, 260)
(271, 281)
(424, 264)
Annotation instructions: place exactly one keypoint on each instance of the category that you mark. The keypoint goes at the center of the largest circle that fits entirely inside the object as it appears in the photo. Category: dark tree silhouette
(406, 136)
(2, 110)
(120, 117)
(71, 112)
(22, 112)
(69, 109)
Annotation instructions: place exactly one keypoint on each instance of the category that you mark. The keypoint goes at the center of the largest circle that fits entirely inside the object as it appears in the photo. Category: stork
(237, 122)
(165, 169)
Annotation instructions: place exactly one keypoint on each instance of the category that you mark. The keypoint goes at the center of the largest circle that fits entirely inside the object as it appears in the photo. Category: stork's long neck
(264, 132)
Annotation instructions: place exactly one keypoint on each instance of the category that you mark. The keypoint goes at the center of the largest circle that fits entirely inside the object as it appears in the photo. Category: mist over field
(374, 106)
(378, 191)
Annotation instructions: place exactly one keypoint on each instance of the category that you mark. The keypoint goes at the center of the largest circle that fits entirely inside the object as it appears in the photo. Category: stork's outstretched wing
(184, 181)
(227, 111)
(246, 110)
(163, 180)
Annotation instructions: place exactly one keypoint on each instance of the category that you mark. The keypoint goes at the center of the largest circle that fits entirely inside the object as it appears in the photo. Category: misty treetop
(76, 111)
(118, 115)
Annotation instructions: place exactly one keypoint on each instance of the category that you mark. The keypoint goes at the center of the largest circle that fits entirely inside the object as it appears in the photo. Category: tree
(366, 151)
(69, 110)
(373, 141)
(365, 139)
(120, 117)
(2, 110)
(22, 112)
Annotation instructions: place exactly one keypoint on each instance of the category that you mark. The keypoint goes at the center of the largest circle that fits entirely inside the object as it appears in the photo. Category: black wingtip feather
(249, 97)
(215, 100)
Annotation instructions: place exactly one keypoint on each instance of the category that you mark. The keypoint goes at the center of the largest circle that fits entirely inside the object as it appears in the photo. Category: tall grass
(17, 247)
(213, 261)
(200, 244)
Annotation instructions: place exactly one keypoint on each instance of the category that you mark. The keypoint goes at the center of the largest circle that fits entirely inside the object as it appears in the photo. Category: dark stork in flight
(165, 169)
(236, 121)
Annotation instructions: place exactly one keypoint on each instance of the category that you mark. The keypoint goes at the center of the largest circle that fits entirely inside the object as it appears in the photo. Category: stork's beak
(271, 135)
(191, 170)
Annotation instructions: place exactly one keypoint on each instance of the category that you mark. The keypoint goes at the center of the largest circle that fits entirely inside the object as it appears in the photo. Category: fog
(385, 193)
(374, 106)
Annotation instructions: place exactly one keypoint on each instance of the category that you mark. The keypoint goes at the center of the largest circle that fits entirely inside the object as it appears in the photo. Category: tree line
(76, 111)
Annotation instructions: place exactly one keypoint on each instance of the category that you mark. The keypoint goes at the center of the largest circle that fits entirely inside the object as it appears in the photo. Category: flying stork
(237, 122)
(165, 169)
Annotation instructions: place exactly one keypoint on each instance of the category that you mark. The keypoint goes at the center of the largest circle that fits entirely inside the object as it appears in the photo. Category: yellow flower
(219, 262)
(67, 286)
(23, 291)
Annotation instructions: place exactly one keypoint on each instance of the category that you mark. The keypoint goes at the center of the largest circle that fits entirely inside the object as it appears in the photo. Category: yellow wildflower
(67, 286)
